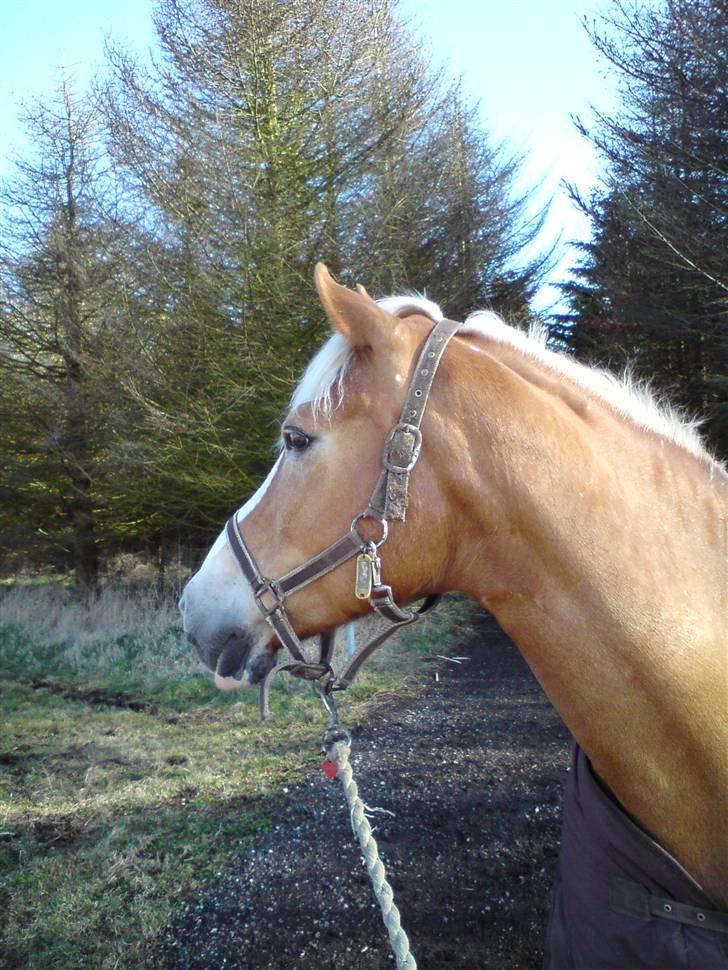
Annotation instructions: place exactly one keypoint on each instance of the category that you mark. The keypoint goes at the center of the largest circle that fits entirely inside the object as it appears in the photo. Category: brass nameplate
(364, 575)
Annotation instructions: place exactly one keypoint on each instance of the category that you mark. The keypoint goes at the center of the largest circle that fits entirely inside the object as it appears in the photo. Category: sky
(528, 64)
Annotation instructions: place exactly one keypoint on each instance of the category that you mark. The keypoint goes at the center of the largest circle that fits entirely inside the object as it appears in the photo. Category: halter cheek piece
(388, 501)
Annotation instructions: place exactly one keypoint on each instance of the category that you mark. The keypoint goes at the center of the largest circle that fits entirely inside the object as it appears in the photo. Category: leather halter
(389, 501)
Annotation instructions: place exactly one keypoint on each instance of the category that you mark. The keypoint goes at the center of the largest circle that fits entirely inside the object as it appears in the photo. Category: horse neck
(603, 552)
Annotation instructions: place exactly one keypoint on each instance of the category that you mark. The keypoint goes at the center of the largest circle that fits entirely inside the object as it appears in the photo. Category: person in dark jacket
(620, 901)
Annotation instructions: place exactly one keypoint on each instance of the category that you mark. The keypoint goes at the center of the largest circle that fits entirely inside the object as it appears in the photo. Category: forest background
(157, 241)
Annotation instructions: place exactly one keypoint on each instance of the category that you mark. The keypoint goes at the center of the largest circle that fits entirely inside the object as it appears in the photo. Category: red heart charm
(331, 769)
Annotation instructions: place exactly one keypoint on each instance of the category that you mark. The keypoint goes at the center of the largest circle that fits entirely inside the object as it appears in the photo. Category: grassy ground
(126, 780)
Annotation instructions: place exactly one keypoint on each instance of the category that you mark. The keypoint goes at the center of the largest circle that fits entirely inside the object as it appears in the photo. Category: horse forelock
(322, 385)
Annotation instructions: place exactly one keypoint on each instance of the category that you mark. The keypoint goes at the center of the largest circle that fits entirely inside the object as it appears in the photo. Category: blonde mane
(322, 385)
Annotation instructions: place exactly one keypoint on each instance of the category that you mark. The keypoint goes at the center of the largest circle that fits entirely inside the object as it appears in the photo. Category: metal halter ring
(382, 524)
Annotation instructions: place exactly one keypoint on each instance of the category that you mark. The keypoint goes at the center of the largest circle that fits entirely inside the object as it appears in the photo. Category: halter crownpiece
(389, 501)
(402, 447)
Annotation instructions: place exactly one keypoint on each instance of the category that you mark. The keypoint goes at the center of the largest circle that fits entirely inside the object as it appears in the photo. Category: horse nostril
(182, 605)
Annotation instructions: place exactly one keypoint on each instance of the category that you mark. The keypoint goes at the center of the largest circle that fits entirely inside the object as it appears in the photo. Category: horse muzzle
(232, 656)
(222, 622)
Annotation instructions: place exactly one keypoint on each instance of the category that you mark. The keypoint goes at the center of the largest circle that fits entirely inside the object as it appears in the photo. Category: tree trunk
(161, 567)
(81, 505)
(85, 548)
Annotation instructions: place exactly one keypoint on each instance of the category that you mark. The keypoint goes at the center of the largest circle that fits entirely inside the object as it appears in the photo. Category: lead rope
(339, 754)
(337, 744)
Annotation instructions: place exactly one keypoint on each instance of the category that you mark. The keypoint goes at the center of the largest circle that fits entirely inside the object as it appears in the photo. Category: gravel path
(472, 769)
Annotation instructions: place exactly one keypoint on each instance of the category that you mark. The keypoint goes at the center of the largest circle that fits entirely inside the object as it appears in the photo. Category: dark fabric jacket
(620, 901)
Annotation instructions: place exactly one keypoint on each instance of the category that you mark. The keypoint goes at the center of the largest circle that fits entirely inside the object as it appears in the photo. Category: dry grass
(50, 632)
(52, 616)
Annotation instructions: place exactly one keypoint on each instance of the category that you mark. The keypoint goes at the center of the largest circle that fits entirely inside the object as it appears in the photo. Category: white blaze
(218, 595)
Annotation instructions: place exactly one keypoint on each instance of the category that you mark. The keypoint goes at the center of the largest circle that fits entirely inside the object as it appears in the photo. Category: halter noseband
(388, 501)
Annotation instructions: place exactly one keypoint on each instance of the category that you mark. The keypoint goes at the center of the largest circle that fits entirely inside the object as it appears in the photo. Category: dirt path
(472, 769)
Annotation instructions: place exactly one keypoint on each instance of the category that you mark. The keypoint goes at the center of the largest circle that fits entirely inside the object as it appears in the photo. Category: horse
(587, 517)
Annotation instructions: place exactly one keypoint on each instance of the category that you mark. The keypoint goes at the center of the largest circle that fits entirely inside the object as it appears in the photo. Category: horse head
(332, 443)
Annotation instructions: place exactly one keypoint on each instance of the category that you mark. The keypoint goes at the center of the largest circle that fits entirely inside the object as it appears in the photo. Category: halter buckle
(310, 671)
(402, 427)
(269, 588)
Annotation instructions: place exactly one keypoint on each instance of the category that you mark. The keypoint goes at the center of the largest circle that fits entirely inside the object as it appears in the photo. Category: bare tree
(156, 304)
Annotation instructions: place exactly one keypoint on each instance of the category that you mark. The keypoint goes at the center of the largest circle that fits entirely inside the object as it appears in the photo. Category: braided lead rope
(338, 752)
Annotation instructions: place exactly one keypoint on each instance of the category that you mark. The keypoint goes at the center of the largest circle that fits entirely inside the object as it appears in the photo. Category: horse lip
(260, 666)
(251, 673)
(232, 658)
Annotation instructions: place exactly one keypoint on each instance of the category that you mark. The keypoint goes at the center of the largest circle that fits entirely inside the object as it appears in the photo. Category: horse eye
(295, 440)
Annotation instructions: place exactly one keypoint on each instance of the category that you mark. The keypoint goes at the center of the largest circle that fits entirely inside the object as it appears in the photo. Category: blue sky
(528, 63)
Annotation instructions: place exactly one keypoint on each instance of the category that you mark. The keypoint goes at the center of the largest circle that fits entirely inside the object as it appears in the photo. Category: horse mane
(322, 385)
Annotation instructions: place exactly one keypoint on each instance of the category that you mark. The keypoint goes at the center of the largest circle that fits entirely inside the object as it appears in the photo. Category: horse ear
(355, 315)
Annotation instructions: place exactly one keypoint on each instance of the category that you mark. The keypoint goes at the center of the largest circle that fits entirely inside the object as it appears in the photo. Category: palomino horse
(589, 521)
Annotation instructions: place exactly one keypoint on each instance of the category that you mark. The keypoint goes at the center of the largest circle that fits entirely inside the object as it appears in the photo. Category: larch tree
(268, 136)
(61, 288)
(157, 253)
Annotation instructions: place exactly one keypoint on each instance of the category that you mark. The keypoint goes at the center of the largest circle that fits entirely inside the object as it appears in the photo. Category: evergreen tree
(652, 285)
